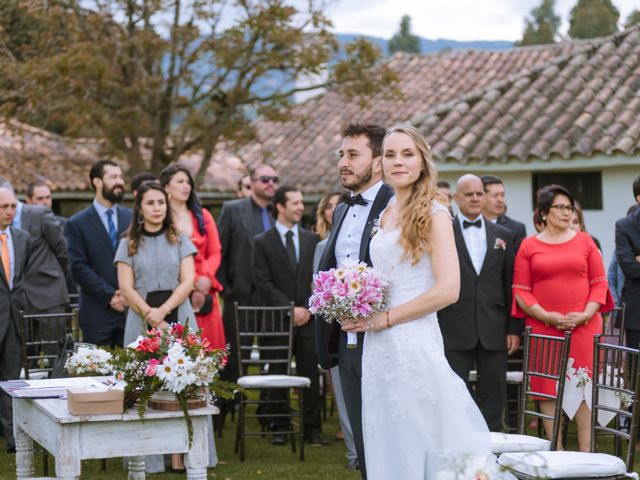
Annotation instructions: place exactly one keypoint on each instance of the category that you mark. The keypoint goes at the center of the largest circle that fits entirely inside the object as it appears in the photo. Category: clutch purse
(159, 297)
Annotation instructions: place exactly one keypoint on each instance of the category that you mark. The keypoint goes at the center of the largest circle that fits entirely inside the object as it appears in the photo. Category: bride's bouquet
(354, 290)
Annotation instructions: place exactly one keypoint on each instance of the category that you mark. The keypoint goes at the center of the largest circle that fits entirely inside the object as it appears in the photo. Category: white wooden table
(71, 438)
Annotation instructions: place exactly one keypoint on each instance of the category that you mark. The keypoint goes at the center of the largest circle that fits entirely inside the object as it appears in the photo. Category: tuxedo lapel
(491, 238)
(276, 243)
(98, 227)
(462, 246)
(379, 203)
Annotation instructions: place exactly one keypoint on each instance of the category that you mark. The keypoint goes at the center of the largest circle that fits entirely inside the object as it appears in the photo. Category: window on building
(586, 187)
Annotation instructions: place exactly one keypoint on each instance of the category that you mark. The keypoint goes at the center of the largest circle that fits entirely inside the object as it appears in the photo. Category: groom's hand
(301, 316)
(513, 342)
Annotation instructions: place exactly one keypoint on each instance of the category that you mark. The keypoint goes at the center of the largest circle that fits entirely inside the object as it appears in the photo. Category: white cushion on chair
(513, 442)
(563, 464)
(273, 381)
(514, 377)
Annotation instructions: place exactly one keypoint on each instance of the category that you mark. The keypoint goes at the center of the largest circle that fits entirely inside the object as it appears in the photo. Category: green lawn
(263, 461)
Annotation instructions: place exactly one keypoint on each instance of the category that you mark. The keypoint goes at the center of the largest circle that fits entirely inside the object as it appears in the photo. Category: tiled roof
(303, 148)
(27, 153)
(581, 104)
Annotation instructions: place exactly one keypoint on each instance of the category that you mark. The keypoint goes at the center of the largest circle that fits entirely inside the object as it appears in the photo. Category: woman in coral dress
(198, 224)
(560, 284)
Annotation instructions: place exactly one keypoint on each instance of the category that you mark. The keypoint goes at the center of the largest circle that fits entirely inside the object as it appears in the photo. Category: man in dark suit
(239, 222)
(92, 236)
(478, 329)
(283, 271)
(15, 246)
(494, 209)
(39, 193)
(628, 256)
(353, 221)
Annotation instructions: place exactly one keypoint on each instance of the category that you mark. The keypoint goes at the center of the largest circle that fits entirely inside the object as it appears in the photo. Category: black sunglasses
(267, 179)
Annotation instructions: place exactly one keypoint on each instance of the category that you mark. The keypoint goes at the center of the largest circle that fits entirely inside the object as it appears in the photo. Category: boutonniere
(375, 228)
(500, 244)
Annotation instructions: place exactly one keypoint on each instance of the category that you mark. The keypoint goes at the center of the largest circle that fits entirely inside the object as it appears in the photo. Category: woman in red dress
(560, 284)
(198, 223)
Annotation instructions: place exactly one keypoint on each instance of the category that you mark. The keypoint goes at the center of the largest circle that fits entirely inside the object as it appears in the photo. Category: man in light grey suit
(47, 274)
(14, 253)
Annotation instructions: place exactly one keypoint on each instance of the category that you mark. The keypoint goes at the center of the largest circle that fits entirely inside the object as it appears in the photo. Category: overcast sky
(450, 19)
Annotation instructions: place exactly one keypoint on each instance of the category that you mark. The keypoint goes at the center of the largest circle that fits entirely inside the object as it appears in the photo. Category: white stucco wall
(617, 197)
(616, 192)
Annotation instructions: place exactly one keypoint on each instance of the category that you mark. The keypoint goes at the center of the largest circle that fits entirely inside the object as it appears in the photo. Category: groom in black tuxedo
(283, 272)
(353, 221)
(478, 329)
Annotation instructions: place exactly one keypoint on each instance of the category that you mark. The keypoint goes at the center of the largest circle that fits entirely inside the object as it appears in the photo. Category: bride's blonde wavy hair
(414, 214)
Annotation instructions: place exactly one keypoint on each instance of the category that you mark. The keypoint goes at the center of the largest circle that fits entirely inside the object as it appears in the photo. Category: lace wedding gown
(419, 420)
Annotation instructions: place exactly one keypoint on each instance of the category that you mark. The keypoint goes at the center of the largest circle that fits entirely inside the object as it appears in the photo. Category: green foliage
(156, 79)
(593, 18)
(633, 18)
(542, 26)
(404, 40)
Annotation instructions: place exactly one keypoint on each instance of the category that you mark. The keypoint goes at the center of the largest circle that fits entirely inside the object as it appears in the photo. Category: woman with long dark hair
(197, 223)
(155, 265)
(155, 274)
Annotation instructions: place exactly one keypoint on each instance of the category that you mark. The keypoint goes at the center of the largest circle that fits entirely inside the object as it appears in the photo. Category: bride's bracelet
(388, 324)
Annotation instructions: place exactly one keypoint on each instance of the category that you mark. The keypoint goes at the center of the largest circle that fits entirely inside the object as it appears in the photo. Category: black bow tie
(477, 223)
(353, 200)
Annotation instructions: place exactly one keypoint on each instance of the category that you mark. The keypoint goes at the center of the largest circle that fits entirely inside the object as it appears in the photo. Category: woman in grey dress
(155, 266)
(156, 274)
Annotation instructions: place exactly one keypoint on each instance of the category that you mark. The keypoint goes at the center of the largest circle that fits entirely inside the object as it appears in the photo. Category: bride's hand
(374, 323)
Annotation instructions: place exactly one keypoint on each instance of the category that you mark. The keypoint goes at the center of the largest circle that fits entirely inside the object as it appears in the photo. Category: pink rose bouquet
(354, 290)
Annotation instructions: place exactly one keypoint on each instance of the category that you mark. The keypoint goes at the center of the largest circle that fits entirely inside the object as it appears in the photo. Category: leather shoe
(11, 449)
(352, 464)
(279, 440)
(315, 440)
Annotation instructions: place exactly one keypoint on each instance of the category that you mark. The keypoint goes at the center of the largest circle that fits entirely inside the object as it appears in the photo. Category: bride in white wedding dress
(419, 420)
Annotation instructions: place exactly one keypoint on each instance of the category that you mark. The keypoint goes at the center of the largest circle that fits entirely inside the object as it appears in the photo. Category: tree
(542, 25)
(404, 40)
(158, 78)
(593, 18)
(633, 18)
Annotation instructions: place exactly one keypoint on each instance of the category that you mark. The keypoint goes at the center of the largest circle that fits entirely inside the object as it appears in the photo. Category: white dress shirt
(476, 241)
(282, 230)
(348, 241)
(12, 257)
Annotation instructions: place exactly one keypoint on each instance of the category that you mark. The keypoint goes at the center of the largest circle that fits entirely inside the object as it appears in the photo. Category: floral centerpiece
(176, 360)
(89, 362)
(354, 290)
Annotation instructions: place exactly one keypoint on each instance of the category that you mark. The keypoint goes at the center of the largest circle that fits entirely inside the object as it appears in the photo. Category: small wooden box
(83, 401)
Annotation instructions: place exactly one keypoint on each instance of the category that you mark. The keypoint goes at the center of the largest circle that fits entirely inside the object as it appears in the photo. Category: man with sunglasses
(239, 222)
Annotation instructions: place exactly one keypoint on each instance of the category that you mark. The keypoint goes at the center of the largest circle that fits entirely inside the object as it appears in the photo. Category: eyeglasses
(564, 208)
(267, 179)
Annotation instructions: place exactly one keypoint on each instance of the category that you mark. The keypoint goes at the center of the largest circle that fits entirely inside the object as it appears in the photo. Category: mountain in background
(430, 46)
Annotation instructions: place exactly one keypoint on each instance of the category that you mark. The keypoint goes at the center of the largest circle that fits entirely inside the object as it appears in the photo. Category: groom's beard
(359, 181)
